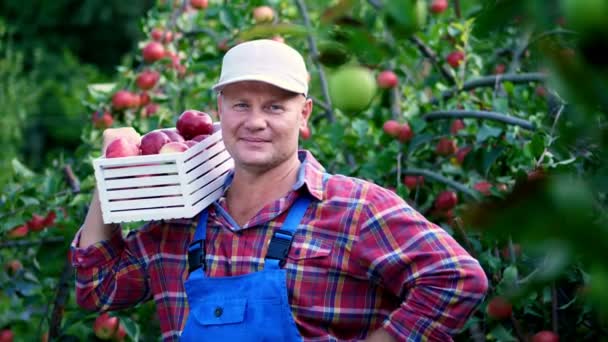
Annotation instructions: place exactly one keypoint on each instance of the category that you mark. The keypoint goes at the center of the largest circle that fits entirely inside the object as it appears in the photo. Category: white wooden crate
(163, 186)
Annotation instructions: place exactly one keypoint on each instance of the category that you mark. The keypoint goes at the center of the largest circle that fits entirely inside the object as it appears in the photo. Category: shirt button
(218, 311)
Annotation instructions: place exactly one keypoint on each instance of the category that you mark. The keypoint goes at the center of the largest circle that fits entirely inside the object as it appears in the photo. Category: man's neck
(250, 191)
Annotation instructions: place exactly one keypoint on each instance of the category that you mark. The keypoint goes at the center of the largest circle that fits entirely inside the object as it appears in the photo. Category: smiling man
(290, 252)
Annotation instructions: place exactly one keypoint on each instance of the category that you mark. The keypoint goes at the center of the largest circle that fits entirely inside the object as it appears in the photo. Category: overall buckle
(196, 256)
(279, 247)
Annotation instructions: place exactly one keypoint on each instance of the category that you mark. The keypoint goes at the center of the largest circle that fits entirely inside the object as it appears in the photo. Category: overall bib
(249, 307)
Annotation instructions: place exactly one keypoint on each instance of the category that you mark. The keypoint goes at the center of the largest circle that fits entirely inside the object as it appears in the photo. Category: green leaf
(417, 141)
(267, 30)
(501, 334)
(501, 104)
(131, 328)
(21, 169)
(226, 19)
(486, 132)
(29, 201)
(360, 127)
(489, 157)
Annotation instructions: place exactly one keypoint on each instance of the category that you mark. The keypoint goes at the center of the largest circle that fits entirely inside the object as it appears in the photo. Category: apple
(190, 143)
(36, 223)
(500, 69)
(144, 98)
(105, 326)
(147, 79)
(200, 137)
(13, 266)
(157, 34)
(6, 335)
(18, 231)
(49, 219)
(446, 200)
(352, 88)
(151, 142)
(499, 308)
(121, 147)
(439, 6)
(540, 91)
(102, 120)
(263, 14)
(461, 154)
(168, 38)
(405, 132)
(506, 251)
(153, 51)
(121, 333)
(411, 182)
(445, 147)
(455, 58)
(123, 99)
(545, 336)
(173, 147)
(173, 134)
(456, 126)
(387, 79)
(483, 187)
(278, 38)
(392, 128)
(150, 109)
(199, 4)
(129, 133)
(193, 122)
(222, 45)
(305, 133)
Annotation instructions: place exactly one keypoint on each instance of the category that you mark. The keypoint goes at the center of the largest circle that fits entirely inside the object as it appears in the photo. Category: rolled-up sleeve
(110, 274)
(440, 283)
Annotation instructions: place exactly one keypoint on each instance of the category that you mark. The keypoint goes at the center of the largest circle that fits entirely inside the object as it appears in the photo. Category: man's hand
(380, 335)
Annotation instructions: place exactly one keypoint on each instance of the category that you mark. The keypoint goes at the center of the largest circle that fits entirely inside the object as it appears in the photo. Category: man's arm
(440, 283)
(93, 228)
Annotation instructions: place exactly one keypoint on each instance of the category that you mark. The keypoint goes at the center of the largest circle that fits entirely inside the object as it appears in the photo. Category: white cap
(266, 61)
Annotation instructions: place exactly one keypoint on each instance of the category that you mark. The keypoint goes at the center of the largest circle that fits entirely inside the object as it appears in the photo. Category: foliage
(531, 130)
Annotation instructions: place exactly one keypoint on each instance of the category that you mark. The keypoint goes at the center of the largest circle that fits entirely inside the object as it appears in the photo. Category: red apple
(545, 336)
(13, 266)
(192, 123)
(121, 333)
(411, 182)
(105, 326)
(190, 143)
(500, 69)
(199, 4)
(461, 154)
(150, 109)
(392, 128)
(152, 142)
(222, 45)
(506, 251)
(144, 98)
(438, 6)
(49, 219)
(405, 132)
(200, 137)
(36, 223)
(153, 52)
(483, 187)
(173, 134)
(168, 38)
(128, 133)
(445, 147)
(123, 99)
(19, 231)
(446, 200)
(6, 335)
(455, 58)
(173, 147)
(305, 133)
(263, 14)
(102, 120)
(499, 308)
(121, 147)
(147, 79)
(456, 126)
(157, 34)
(387, 79)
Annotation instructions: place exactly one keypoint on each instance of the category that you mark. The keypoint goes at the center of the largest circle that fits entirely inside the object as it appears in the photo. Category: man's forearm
(93, 228)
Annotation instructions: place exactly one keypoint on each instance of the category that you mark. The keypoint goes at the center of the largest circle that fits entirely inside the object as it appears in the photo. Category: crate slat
(140, 170)
(144, 192)
(148, 203)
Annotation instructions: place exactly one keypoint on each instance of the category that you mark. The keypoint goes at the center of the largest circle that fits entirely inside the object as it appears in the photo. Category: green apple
(352, 88)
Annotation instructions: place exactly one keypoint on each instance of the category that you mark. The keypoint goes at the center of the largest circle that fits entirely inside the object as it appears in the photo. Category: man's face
(261, 123)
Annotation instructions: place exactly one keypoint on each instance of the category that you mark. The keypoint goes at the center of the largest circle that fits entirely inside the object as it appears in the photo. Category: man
(289, 251)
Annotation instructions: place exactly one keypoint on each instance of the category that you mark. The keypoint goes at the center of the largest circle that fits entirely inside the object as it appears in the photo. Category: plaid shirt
(362, 259)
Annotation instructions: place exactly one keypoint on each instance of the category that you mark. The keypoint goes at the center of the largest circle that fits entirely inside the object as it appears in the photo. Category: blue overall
(249, 307)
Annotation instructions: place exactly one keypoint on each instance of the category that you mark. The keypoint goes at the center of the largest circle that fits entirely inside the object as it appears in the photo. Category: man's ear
(306, 112)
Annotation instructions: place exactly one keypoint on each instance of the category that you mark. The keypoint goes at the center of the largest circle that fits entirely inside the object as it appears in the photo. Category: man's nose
(256, 119)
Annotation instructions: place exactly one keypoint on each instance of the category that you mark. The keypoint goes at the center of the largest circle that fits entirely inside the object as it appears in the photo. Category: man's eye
(241, 106)
(276, 108)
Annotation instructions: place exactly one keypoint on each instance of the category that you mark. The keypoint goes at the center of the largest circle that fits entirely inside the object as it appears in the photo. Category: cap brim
(277, 82)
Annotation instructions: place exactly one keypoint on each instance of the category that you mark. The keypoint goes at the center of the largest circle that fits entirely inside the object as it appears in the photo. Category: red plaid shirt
(362, 259)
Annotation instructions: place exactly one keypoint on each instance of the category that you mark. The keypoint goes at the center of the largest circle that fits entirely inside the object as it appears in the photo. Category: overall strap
(282, 238)
(196, 250)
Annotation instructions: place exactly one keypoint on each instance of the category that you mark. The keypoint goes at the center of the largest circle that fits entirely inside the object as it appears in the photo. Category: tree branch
(63, 291)
(29, 243)
(430, 54)
(428, 174)
(71, 179)
(315, 53)
(479, 114)
(490, 81)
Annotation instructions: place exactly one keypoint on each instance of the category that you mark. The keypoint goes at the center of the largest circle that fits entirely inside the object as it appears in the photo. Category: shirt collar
(310, 175)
